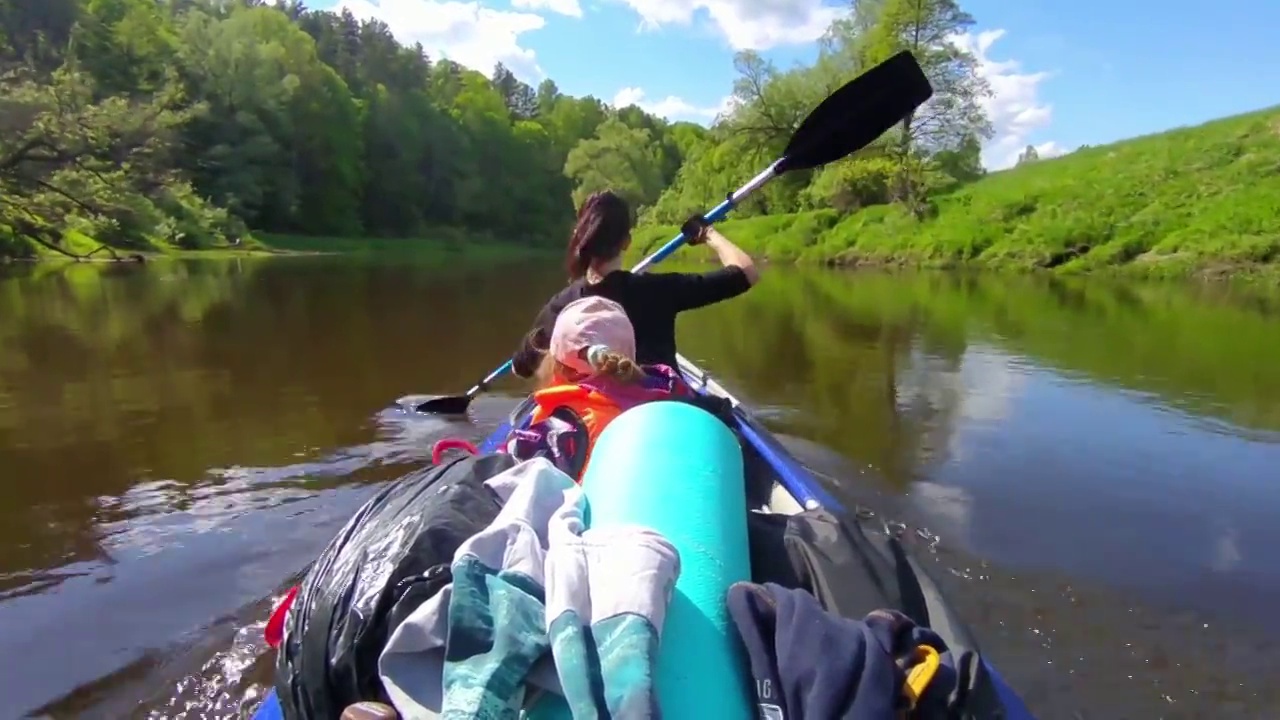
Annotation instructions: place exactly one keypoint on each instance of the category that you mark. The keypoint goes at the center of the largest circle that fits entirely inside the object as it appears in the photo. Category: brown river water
(1093, 466)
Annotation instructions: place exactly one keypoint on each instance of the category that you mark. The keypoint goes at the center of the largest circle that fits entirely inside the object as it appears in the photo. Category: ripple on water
(192, 550)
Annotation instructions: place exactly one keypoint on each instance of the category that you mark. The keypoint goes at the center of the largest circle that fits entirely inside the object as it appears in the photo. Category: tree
(36, 32)
(280, 146)
(714, 166)
(619, 158)
(1028, 155)
(520, 99)
(572, 120)
(184, 122)
(100, 166)
(927, 28)
(963, 164)
(769, 104)
(548, 94)
(126, 44)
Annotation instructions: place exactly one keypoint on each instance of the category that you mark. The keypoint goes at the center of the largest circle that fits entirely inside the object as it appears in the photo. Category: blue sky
(1064, 73)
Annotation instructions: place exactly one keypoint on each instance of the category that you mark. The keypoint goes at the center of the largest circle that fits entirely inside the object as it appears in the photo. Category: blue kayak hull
(792, 479)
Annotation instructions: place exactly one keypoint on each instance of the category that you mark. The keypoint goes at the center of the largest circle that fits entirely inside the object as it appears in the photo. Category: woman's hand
(695, 230)
(698, 231)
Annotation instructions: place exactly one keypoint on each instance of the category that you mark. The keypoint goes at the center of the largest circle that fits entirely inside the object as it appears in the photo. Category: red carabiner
(447, 444)
(274, 631)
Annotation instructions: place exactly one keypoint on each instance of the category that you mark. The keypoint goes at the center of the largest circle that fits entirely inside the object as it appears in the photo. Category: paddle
(849, 119)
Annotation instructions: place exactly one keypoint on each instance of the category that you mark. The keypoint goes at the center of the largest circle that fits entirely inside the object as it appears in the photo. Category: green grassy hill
(1199, 200)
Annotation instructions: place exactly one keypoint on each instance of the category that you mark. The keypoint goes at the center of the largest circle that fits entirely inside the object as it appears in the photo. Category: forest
(141, 125)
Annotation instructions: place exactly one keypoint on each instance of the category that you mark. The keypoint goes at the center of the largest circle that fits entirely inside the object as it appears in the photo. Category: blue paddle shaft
(717, 214)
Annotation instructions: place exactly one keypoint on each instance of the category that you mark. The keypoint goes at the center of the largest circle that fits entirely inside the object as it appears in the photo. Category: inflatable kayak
(730, 505)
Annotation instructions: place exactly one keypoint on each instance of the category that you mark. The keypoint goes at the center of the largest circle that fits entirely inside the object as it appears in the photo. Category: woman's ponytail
(601, 231)
(582, 242)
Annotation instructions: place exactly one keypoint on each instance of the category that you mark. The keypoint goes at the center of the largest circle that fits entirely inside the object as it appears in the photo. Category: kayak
(779, 493)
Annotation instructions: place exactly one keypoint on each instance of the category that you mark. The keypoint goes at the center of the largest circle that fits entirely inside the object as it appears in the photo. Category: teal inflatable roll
(677, 469)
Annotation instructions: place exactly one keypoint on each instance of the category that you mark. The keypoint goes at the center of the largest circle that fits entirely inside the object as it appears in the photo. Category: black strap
(581, 439)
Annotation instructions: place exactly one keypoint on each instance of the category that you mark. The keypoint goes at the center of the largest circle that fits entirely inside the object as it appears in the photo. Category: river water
(1099, 461)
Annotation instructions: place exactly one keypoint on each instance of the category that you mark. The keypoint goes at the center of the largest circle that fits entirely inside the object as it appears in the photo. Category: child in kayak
(587, 377)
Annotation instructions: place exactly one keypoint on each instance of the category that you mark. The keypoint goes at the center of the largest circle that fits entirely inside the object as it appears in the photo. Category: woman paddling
(651, 300)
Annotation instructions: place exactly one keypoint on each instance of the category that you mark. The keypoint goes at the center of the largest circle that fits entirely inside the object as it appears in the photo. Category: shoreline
(1175, 268)
(1189, 202)
(142, 258)
(747, 234)
(452, 245)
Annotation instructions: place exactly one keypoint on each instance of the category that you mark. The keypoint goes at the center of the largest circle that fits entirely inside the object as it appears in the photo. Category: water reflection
(169, 453)
(1113, 490)
(1079, 426)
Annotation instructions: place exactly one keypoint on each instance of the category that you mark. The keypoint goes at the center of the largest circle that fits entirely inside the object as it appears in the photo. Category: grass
(446, 245)
(82, 245)
(1191, 201)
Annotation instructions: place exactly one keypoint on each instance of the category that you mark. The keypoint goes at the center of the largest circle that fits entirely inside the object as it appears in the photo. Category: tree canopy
(935, 149)
(191, 123)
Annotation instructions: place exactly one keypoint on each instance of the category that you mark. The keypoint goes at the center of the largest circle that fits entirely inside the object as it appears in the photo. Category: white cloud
(670, 107)
(465, 32)
(1051, 148)
(745, 24)
(564, 7)
(1015, 107)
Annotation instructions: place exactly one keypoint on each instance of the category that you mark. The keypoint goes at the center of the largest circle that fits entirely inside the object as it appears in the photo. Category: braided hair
(605, 361)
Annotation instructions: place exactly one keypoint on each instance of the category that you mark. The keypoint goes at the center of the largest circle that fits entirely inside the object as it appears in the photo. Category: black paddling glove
(695, 230)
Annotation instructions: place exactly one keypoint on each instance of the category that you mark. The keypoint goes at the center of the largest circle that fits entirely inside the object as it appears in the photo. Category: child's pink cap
(591, 321)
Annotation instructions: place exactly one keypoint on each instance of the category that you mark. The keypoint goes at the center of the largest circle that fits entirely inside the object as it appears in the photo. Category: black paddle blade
(852, 117)
(448, 405)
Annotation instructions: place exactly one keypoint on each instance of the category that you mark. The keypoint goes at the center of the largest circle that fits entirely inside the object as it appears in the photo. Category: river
(1097, 462)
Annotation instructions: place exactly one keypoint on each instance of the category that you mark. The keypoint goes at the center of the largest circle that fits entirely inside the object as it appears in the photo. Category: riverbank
(80, 248)
(1200, 201)
(443, 245)
(447, 245)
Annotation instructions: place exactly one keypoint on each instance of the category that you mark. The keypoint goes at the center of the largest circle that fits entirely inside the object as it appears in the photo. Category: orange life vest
(594, 408)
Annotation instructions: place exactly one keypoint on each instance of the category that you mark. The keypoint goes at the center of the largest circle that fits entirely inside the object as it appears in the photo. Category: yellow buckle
(926, 666)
